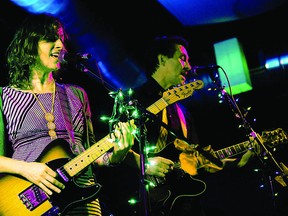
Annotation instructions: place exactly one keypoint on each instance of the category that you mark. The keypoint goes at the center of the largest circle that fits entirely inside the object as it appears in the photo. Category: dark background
(119, 32)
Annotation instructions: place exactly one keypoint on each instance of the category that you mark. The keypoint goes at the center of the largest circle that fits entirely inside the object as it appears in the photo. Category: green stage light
(230, 56)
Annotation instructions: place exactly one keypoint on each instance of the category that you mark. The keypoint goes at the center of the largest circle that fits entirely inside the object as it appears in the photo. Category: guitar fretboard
(232, 150)
(158, 106)
(83, 160)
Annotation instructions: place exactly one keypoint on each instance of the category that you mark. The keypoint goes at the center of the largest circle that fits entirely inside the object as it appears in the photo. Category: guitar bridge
(155, 181)
(32, 197)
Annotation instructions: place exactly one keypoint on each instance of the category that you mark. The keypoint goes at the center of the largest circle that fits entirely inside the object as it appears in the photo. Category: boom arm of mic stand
(85, 69)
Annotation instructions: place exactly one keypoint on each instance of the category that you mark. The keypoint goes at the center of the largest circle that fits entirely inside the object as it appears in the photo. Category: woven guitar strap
(65, 108)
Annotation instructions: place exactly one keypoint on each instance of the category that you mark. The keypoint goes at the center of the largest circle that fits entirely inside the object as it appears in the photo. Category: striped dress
(28, 132)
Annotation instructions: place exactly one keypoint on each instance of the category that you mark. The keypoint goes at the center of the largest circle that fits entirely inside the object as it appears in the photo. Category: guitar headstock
(274, 137)
(182, 92)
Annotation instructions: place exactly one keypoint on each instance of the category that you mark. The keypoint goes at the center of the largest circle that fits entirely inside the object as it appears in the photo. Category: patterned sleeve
(2, 131)
(89, 125)
(90, 137)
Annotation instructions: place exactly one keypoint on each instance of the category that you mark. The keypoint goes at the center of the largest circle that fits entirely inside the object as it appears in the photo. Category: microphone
(65, 57)
(208, 67)
(203, 69)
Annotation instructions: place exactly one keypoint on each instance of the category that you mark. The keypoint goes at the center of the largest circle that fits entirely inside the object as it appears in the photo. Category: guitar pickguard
(81, 193)
(32, 197)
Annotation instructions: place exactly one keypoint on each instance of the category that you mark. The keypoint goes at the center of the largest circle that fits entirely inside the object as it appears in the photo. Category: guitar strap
(182, 120)
(162, 139)
(65, 108)
(88, 175)
(2, 131)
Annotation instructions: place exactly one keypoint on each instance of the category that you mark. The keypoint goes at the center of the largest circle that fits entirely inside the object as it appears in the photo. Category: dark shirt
(146, 95)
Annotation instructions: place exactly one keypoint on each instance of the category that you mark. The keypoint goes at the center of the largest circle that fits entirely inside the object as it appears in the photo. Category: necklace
(49, 116)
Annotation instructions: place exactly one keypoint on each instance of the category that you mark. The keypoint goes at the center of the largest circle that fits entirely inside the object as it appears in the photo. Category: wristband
(106, 160)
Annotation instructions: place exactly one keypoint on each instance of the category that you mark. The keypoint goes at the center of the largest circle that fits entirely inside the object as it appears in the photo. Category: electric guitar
(165, 191)
(21, 197)
(25, 198)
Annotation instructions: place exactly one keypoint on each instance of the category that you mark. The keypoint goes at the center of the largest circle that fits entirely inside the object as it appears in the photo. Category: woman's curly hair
(22, 52)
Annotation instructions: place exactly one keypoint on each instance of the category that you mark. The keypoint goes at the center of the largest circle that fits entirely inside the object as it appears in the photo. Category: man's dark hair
(165, 45)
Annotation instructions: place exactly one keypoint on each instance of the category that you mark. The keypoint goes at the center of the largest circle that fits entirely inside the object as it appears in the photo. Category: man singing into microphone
(167, 64)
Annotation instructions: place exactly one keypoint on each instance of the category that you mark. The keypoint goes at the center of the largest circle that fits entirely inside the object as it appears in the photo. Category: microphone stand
(143, 195)
(144, 114)
(229, 98)
(139, 122)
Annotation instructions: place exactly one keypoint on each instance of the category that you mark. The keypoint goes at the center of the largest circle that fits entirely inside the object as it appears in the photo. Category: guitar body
(176, 185)
(10, 204)
(79, 193)
(21, 197)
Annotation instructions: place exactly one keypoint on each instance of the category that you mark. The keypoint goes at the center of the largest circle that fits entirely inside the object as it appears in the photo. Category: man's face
(177, 66)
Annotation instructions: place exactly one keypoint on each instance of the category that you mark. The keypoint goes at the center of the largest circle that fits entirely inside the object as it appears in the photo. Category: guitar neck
(232, 150)
(158, 106)
(81, 161)
(270, 139)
